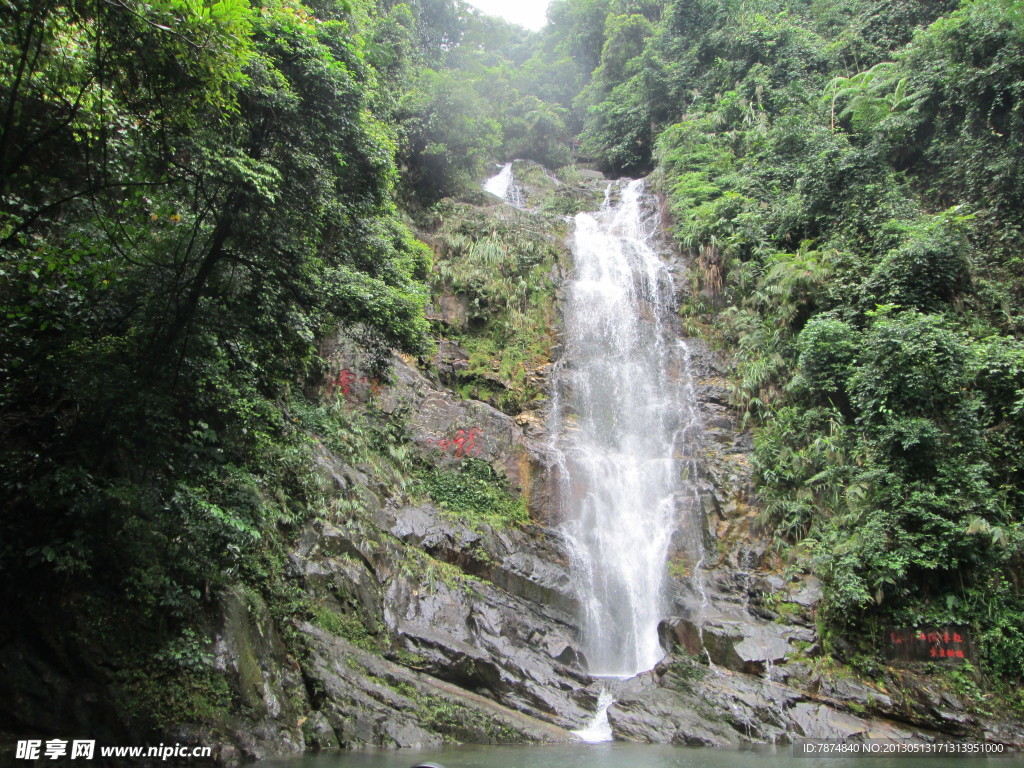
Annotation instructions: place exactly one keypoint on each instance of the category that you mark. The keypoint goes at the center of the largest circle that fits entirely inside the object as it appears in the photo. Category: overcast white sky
(531, 14)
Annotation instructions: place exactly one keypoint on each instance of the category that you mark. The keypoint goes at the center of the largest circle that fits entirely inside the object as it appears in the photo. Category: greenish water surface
(615, 755)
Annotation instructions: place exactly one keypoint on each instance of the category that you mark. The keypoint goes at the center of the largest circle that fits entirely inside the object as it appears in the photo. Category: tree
(450, 136)
(208, 192)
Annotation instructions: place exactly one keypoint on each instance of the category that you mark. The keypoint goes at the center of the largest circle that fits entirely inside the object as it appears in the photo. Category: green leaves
(475, 492)
(828, 352)
(926, 272)
(501, 270)
(910, 364)
(449, 133)
(193, 195)
(868, 97)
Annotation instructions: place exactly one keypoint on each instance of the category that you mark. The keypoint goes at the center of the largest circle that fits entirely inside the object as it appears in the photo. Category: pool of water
(617, 755)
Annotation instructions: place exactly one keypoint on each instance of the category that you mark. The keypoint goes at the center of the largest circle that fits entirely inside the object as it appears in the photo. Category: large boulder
(368, 701)
(474, 635)
(733, 638)
(464, 629)
(685, 702)
(263, 678)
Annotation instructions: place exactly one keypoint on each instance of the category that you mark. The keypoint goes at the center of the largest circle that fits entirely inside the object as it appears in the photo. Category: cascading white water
(503, 185)
(623, 424)
(598, 729)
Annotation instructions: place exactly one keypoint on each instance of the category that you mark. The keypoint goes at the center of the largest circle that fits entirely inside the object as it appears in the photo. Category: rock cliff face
(432, 628)
(476, 632)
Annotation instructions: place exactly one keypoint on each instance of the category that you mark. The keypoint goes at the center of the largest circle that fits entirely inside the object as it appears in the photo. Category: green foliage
(577, 30)
(803, 459)
(969, 125)
(432, 573)
(828, 351)
(699, 176)
(926, 272)
(155, 698)
(502, 269)
(450, 135)
(686, 671)
(192, 195)
(457, 723)
(349, 626)
(910, 364)
(868, 97)
(475, 492)
(535, 130)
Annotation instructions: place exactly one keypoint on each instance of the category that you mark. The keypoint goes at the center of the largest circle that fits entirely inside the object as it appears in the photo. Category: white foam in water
(624, 425)
(599, 729)
(503, 185)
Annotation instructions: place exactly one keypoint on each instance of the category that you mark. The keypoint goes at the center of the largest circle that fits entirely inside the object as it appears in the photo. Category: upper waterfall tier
(503, 185)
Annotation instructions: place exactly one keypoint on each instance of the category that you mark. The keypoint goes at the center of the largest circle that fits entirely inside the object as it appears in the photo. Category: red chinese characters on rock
(463, 444)
(917, 645)
(346, 378)
(947, 653)
(342, 382)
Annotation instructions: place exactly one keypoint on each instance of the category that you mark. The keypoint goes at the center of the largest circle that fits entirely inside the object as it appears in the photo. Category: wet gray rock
(856, 693)
(529, 562)
(809, 593)
(262, 676)
(484, 640)
(1007, 732)
(520, 651)
(486, 432)
(369, 701)
(449, 309)
(733, 638)
(684, 702)
(450, 360)
(318, 733)
(818, 721)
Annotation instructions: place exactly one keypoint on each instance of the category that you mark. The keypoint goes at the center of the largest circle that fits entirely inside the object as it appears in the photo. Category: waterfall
(598, 729)
(503, 185)
(624, 425)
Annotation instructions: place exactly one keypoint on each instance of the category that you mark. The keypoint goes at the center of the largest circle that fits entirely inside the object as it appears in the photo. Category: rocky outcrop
(445, 428)
(526, 562)
(736, 642)
(408, 649)
(364, 700)
(263, 678)
(683, 702)
(457, 627)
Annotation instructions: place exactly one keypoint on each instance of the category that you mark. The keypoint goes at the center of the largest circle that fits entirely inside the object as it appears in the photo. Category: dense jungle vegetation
(193, 194)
